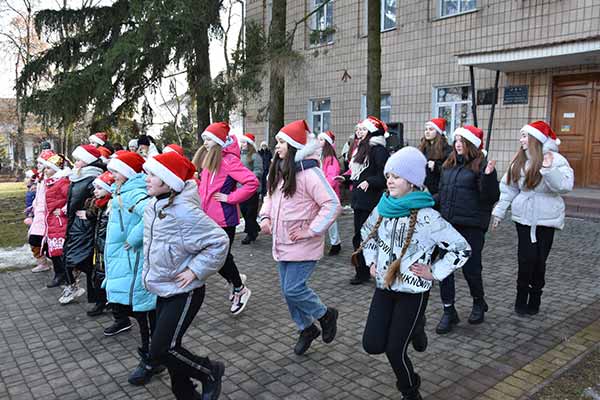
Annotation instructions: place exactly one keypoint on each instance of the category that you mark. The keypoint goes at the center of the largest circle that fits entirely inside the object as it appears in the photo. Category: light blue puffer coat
(123, 282)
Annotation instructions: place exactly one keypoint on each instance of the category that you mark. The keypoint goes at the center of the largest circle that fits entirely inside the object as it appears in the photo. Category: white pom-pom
(386, 135)
(557, 141)
(485, 153)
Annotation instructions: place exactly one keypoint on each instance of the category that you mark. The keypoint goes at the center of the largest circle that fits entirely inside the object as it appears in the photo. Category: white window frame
(459, 12)
(436, 108)
(381, 15)
(313, 22)
(312, 113)
(363, 106)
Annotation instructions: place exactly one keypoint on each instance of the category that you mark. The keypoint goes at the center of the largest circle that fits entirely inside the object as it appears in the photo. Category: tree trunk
(18, 139)
(199, 78)
(374, 58)
(277, 37)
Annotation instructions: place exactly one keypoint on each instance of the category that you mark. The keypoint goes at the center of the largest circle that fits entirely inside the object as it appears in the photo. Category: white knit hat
(408, 163)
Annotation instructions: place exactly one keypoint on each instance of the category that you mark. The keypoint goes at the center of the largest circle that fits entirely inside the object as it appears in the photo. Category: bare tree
(374, 58)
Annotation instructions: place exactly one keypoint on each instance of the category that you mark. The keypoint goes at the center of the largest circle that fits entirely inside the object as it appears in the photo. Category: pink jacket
(314, 207)
(38, 226)
(331, 169)
(57, 190)
(226, 180)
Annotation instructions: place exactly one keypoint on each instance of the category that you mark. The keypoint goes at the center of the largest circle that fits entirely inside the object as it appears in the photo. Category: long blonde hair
(199, 157)
(394, 268)
(536, 157)
(213, 158)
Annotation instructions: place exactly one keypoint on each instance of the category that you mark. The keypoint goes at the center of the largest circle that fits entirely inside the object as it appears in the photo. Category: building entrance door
(576, 121)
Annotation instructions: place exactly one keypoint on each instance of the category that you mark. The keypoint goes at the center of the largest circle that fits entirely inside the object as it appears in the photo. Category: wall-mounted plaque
(516, 95)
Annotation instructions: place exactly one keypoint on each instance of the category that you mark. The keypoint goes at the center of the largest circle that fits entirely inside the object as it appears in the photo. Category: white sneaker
(240, 299)
(41, 268)
(70, 293)
(230, 286)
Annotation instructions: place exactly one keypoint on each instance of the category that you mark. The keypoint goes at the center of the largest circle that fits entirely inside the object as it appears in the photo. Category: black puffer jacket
(361, 200)
(467, 198)
(79, 242)
(101, 217)
(432, 179)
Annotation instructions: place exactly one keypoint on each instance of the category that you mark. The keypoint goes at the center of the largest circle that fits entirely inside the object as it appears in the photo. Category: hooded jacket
(38, 226)
(431, 231)
(79, 243)
(313, 208)
(123, 282)
(541, 206)
(177, 237)
(57, 189)
(225, 180)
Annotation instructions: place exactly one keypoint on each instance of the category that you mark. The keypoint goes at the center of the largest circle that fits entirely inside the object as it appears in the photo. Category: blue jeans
(304, 304)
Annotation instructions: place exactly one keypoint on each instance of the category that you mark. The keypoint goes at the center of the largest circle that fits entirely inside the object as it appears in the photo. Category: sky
(217, 60)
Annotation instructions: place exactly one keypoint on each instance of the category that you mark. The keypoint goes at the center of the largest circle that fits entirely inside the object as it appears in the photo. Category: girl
(249, 208)
(182, 248)
(220, 197)
(79, 243)
(299, 207)
(98, 209)
(468, 191)
(266, 156)
(98, 139)
(35, 235)
(434, 146)
(400, 237)
(331, 169)
(367, 159)
(532, 186)
(123, 259)
(55, 196)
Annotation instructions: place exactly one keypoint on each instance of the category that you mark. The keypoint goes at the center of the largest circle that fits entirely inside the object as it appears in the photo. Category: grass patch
(13, 232)
(9, 190)
(13, 235)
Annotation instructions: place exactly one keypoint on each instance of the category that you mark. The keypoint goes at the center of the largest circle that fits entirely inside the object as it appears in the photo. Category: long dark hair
(473, 157)
(328, 151)
(283, 169)
(435, 149)
(363, 149)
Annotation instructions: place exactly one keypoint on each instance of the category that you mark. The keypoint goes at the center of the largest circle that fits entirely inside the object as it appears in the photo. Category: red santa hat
(172, 168)
(87, 153)
(328, 136)
(104, 154)
(375, 126)
(104, 181)
(439, 124)
(44, 155)
(174, 147)
(100, 138)
(472, 134)
(218, 132)
(56, 162)
(541, 131)
(126, 163)
(297, 134)
(249, 138)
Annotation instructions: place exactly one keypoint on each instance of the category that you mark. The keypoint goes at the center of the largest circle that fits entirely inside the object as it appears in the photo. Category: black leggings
(360, 216)
(472, 268)
(532, 257)
(394, 317)
(173, 317)
(229, 270)
(249, 209)
(145, 319)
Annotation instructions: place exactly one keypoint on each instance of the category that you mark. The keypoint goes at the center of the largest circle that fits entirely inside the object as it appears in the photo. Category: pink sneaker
(41, 268)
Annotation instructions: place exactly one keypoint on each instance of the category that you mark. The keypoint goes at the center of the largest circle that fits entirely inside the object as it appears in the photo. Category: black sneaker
(144, 372)
(334, 250)
(448, 320)
(211, 390)
(248, 239)
(56, 282)
(329, 324)
(359, 280)
(97, 310)
(477, 316)
(118, 327)
(305, 339)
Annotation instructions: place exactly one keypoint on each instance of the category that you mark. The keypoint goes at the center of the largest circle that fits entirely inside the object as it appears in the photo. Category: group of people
(147, 229)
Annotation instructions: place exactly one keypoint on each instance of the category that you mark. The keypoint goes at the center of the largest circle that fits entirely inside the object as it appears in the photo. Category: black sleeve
(489, 187)
(380, 156)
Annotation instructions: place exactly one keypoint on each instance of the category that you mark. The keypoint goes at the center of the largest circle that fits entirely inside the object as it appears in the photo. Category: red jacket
(57, 189)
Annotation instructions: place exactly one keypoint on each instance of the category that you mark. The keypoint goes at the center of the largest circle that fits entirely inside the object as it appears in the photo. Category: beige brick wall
(420, 54)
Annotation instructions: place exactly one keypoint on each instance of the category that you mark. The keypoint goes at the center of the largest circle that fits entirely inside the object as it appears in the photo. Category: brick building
(547, 52)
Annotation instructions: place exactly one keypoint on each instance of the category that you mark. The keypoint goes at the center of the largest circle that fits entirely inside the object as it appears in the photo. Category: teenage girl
(331, 168)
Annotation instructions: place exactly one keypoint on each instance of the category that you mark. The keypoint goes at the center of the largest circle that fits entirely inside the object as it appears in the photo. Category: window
(319, 115)
(389, 9)
(385, 110)
(452, 7)
(454, 105)
(321, 29)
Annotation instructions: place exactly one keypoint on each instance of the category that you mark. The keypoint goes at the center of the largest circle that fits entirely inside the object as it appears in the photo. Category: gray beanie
(408, 163)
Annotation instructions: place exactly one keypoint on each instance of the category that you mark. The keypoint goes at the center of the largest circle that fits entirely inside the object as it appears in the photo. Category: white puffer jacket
(541, 206)
(431, 231)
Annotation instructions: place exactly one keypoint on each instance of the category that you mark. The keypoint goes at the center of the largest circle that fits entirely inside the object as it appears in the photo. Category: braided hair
(372, 234)
(161, 212)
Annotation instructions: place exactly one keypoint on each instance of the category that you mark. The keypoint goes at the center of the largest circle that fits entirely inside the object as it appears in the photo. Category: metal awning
(568, 53)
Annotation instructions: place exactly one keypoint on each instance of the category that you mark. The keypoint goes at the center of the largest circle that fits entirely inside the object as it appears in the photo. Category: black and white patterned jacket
(431, 231)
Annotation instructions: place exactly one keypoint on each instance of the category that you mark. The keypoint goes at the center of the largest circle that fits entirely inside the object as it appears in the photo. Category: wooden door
(571, 120)
(593, 168)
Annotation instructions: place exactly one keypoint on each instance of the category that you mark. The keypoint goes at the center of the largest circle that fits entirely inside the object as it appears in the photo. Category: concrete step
(583, 203)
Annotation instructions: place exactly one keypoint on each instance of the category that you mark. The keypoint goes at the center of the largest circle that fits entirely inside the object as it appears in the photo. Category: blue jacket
(123, 282)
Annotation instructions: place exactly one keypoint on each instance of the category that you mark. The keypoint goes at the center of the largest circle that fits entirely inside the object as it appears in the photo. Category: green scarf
(391, 207)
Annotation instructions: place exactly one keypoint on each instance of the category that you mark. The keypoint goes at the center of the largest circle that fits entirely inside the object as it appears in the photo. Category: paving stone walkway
(49, 351)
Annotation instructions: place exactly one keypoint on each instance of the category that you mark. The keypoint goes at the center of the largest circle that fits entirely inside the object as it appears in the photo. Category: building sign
(516, 95)
(485, 96)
